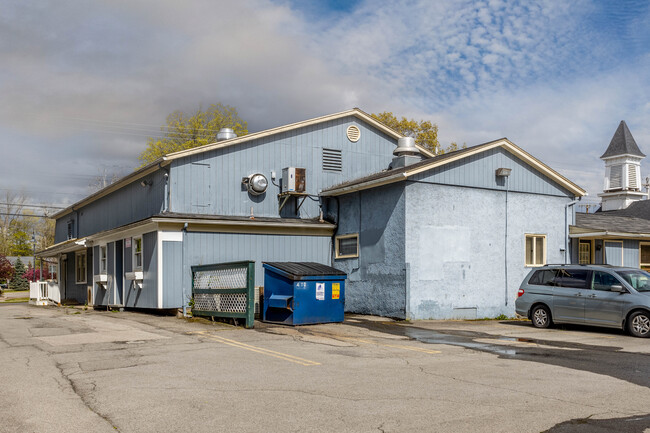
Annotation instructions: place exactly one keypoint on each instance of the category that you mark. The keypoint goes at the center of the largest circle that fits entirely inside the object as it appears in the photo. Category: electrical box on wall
(293, 179)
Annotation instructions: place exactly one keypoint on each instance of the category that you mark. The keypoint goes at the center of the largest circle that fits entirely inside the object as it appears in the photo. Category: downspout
(166, 199)
(505, 248)
(183, 303)
(566, 229)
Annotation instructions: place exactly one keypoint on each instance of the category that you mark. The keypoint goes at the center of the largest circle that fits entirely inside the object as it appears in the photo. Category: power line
(80, 119)
(31, 205)
(26, 216)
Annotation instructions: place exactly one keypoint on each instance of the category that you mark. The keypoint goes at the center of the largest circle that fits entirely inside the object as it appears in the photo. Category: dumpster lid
(305, 269)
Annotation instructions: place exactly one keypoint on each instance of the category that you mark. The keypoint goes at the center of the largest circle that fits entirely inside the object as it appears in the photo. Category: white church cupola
(622, 171)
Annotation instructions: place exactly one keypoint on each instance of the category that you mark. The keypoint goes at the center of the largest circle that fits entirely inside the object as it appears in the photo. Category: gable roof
(605, 224)
(622, 143)
(637, 209)
(403, 173)
(167, 159)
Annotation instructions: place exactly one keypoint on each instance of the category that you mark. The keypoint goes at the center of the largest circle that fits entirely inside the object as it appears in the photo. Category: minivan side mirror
(617, 288)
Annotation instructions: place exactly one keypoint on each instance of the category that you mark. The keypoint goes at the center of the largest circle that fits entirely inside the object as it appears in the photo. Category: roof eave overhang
(138, 174)
(605, 234)
(504, 142)
(253, 226)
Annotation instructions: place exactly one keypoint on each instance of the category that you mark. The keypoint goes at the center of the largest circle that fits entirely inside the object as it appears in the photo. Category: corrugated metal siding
(128, 258)
(299, 148)
(479, 171)
(209, 248)
(129, 204)
(631, 253)
(147, 296)
(173, 274)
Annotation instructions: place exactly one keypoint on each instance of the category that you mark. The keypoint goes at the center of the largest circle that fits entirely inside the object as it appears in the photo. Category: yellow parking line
(268, 352)
(359, 340)
(394, 346)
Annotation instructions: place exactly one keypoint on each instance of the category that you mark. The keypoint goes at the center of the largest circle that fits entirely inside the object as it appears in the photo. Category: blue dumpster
(301, 293)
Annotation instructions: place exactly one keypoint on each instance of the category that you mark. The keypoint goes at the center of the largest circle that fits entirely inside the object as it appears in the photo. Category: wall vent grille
(353, 133)
(332, 160)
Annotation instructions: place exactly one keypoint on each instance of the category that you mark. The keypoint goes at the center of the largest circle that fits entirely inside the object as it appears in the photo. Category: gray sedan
(599, 295)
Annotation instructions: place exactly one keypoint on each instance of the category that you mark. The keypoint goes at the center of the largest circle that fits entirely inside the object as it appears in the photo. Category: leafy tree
(21, 240)
(424, 132)
(185, 131)
(19, 282)
(6, 270)
(34, 274)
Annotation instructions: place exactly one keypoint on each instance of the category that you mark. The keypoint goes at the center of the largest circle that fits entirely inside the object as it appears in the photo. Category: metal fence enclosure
(225, 290)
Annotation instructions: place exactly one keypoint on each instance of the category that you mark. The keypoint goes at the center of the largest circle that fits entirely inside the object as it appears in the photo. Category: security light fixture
(503, 172)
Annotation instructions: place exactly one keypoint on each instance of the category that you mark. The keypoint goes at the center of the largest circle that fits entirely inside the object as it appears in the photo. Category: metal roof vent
(225, 134)
(406, 146)
(353, 133)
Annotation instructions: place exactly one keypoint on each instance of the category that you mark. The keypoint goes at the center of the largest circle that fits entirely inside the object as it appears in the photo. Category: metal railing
(224, 290)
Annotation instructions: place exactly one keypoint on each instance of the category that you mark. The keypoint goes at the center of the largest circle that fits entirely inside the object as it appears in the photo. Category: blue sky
(84, 84)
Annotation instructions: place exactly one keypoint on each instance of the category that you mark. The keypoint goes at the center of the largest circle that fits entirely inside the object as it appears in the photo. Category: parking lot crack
(84, 393)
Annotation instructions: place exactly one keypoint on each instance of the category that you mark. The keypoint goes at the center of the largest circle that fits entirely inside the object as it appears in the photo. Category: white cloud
(480, 69)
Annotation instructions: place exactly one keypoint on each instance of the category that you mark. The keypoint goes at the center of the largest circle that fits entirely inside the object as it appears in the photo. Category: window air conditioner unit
(293, 179)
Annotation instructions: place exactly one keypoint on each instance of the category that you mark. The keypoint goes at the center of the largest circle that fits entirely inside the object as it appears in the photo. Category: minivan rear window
(576, 278)
(543, 277)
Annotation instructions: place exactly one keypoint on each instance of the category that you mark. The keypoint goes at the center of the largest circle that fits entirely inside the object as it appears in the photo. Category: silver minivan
(599, 295)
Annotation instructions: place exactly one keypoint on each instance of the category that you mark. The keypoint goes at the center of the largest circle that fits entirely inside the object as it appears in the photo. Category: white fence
(44, 292)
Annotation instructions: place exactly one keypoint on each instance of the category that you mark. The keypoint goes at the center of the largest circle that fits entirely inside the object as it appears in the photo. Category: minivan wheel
(541, 316)
(639, 324)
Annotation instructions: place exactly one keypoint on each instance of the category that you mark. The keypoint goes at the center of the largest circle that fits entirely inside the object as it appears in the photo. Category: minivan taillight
(520, 292)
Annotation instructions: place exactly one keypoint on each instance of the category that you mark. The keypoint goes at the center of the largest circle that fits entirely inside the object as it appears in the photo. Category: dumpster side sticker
(320, 291)
(336, 290)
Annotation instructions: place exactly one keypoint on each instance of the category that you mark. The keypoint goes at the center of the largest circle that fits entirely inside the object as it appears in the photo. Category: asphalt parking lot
(67, 370)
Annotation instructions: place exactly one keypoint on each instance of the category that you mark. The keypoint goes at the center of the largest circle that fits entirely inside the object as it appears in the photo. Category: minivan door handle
(578, 294)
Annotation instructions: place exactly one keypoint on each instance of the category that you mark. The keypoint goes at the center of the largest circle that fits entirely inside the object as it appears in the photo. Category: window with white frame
(102, 259)
(535, 250)
(347, 246)
(137, 253)
(80, 267)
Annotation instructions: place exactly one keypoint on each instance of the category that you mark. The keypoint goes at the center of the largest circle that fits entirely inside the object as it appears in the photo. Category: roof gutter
(144, 171)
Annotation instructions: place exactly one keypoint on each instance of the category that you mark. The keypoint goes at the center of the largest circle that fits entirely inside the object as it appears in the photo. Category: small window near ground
(535, 250)
(347, 246)
(137, 253)
(102, 259)
(80, 267)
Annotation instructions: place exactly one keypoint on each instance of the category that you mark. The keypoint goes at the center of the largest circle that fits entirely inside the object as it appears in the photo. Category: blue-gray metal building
(420, 236)
(133, 243)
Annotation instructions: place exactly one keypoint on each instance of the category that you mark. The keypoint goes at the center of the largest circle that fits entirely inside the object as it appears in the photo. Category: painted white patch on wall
(440, 245)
